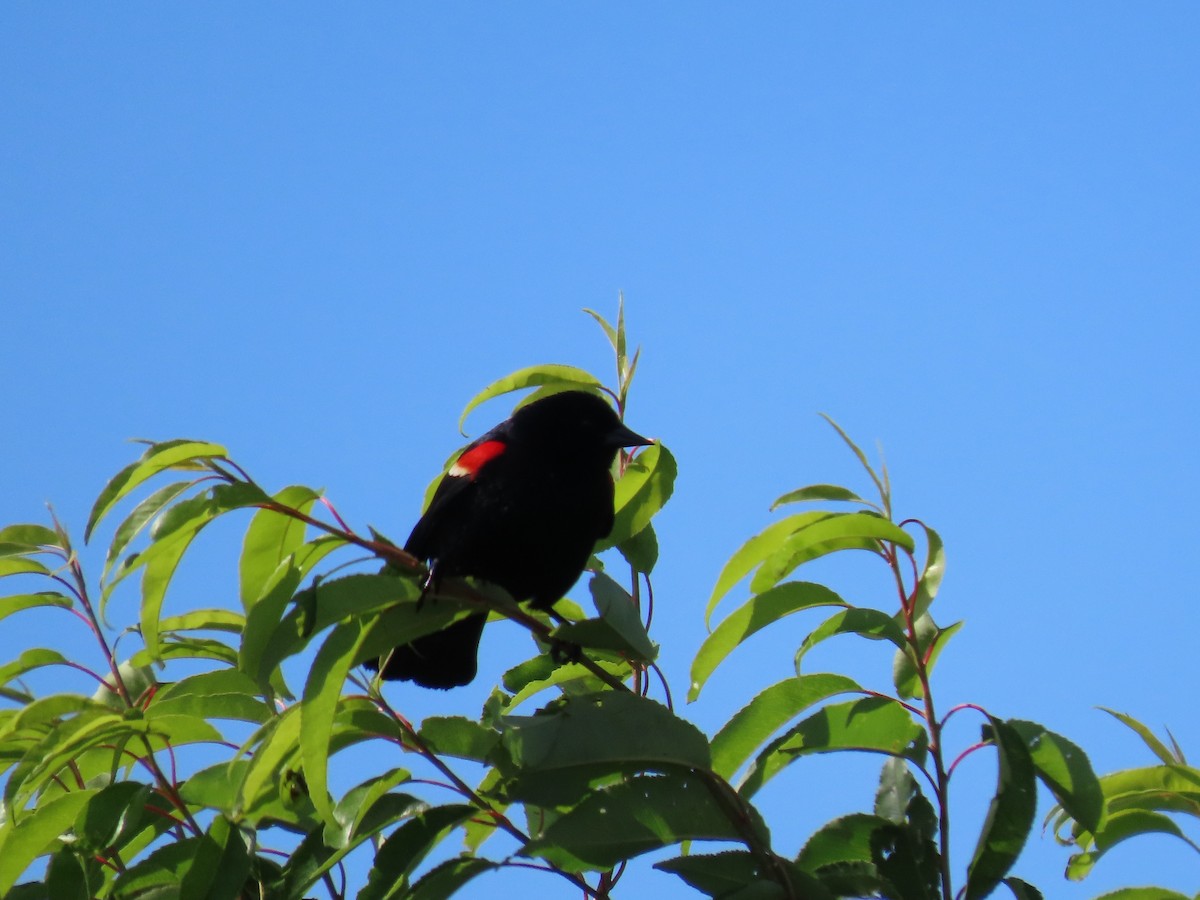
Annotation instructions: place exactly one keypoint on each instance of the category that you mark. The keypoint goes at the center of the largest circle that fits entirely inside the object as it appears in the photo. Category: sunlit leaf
(1157, 747)
(37, 833)
(641, 492)
(931, 640)
(863, 621)
(138, 518)
(769, 711)
(820, 492)
(871, 724)
(17, 602)
(271, 538)
(534, 376)
(757, 613)
(1064, 768)
(834, 532)
(157, 458)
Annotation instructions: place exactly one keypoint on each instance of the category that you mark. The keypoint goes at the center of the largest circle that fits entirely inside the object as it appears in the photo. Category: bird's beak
(624, 437)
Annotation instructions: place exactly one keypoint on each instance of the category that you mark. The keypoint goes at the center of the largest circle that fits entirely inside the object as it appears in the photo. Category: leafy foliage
(586, 762)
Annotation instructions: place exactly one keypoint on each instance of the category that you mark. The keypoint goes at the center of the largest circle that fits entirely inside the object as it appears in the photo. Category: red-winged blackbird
(522, 508)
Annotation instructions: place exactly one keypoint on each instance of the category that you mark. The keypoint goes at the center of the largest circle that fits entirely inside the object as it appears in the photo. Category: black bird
(522, 508)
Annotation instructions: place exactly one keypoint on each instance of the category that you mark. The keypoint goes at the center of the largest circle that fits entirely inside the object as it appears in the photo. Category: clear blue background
(967, 233)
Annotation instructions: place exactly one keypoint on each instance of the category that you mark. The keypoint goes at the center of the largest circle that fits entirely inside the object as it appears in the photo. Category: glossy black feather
(526, 519)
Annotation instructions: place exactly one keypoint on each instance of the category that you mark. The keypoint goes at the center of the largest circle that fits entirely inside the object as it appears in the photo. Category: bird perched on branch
(522, 508)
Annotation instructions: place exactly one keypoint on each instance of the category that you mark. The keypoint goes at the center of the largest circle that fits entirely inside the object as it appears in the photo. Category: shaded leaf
(643, 489)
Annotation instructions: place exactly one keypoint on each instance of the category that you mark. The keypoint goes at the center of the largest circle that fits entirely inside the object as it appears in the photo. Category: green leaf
(205, 620)
(1010, 815)
(865, 622)
(223, 694)
(70, 876)
(1023, 890)
(931, 575)
(862, 457)
(609, 331)
(845, 839)
(641, 550)
(633, 817)
(1121, 826)
(460, 737)
(19, 565)
(870, 724)
(580, 741)
(904, 668)
(404, 849)
(1157, 747)
(274, 745)
(322, 691)
(572, 678)
(263, 619)
(723, 874)
(769, 711)
(36, 833)
(1143, 893)
(820, 492)
(157, 458)
(221, 863)
(17, 602)
(35, 658)
(29, 539)
(617, 610)
(564, 376)
(137, 520)
(758, 612)
(112, 816)
(1064, 768)
(640, 493)
(753, 552)
(836, 531)
(271, 538)
(446, 878)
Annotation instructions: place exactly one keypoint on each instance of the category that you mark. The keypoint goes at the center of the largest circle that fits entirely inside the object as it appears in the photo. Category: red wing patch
(476, 458)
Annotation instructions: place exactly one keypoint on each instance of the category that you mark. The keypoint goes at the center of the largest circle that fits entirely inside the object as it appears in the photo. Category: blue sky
(967, 233)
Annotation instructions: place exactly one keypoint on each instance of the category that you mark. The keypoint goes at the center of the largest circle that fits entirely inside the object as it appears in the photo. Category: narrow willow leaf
(616, 608)
(609, 331)
(221, 863)
(931, 575)
(138, 519)
(445, 879)
(753, 552)
(534, 376)
(112, 816)
(572, 678)
(157, 458)
(205, 620)
(757, 613)
(30, 538)
(272, 747)
(1119, 827)
(460, 737)
(868, 623)
(862, 457)
(37, 833)
(268, 608)
(407, 846)
(733, 872)
(641, 550)
(20, 565)
(904, 668)
(1157, 747)
(34, 658)
(845, 839)
(640, 493)
(223, 694)
(634, 817)
(1010, 815)
(322, 691)
(836, 531)
(871, 724)
(1144, 893)
(1064, 768)
(769, 711)
(1022, 890)
(271, 538)
(820, 492)
(17, 602)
